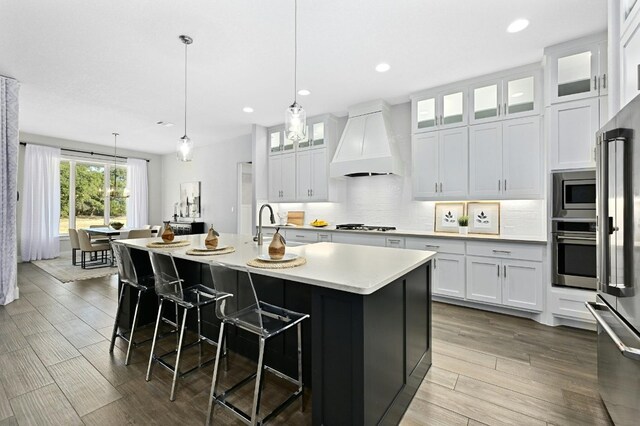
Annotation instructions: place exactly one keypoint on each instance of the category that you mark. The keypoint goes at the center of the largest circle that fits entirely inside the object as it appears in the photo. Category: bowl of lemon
(319, 223)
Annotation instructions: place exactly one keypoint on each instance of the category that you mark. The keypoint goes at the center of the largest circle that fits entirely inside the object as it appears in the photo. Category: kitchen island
(367, 345)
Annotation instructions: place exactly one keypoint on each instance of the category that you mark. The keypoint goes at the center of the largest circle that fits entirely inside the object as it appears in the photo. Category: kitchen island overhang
(368, 344)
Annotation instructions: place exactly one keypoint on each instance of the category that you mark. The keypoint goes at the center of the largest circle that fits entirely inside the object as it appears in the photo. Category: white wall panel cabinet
(440, 167)
(572, 133)
(439, 110)
(449, 278)
(484, 280)
(282, 177)
(311, 175)
(505, 159)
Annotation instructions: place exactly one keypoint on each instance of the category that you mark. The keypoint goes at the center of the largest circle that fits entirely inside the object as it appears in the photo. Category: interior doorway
(245, 199)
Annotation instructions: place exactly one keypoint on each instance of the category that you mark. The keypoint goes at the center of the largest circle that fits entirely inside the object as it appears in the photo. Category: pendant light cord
(115, 172)
(295, 51)
(185, 88)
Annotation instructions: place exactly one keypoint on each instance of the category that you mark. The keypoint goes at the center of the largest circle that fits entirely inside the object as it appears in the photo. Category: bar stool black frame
(169, 288)
(129, 278)
(265, 321)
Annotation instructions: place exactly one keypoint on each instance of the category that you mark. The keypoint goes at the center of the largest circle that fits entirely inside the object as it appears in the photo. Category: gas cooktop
(363, 227)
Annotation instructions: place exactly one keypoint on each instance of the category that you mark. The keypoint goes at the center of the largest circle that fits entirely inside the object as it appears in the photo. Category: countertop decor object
(319, 223)
(184, 150)
(264, 264)
(216, 252)
(168, 244)
(211, 240)
(446, 216)
(484, 218)
(295, 217)
(167, 233)
(278, 246)
(463, 225)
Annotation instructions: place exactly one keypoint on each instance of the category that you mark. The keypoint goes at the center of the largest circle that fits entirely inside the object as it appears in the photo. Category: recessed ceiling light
(164, 123)
(247, 109)
(304, 92)
(383, 67)
(517, 25)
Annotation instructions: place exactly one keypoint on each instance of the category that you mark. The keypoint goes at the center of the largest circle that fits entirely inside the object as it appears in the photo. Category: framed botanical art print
(484, 218)
(446, 216)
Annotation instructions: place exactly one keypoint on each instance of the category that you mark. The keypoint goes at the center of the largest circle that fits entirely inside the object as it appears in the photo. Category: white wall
(216, 167)
(154, 171)
(387, 200)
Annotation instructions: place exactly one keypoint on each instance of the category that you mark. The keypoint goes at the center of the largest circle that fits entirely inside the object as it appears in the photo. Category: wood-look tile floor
(487, 368)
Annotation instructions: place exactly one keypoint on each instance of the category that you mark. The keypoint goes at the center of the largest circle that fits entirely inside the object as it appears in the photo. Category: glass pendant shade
(295, 123)
(184, 150)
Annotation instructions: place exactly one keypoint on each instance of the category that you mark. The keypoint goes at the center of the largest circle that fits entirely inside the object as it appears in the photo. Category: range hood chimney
(367, 146)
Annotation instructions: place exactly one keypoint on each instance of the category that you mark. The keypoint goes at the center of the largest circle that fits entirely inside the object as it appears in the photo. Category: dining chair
(75, 245)
(261, 319)
(93, 248)
(139, 233)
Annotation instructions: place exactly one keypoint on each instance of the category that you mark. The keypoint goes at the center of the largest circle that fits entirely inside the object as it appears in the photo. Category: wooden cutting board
(295, 217)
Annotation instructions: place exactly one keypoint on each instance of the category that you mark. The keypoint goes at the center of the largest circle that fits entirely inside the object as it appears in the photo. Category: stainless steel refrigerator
(617, 306)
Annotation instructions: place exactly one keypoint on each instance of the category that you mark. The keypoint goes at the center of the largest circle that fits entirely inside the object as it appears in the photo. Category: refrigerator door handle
(629, 352)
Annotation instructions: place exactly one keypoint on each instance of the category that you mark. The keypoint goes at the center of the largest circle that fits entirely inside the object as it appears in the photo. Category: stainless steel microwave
(574, 195)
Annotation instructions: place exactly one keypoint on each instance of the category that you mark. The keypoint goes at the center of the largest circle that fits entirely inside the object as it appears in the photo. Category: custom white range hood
(367, 146)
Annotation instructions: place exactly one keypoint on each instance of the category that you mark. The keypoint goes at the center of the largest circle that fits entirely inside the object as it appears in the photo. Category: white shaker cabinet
(572, 133)
(484, 279)
(440, 164)
(282, 177)
(521, 284)
(311, 175)
(437, 111)
(505, 159)
(449, 275)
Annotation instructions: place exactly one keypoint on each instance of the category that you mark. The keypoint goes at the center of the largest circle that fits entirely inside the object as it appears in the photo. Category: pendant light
(113, 192)
(295, 117)
(184, 150)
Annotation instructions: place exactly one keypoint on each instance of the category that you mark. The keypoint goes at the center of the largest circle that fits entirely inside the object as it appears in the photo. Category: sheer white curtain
(138, 186)
(9, 89)
(41, 207)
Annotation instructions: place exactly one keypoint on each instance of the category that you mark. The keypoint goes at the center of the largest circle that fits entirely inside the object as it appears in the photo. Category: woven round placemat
(225, 250)
(172, 244)
(257, 263)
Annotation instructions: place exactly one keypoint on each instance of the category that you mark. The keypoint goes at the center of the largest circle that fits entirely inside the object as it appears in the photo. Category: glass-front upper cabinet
(275, 141)
(315, 136)
(577, 71)
(511, 96)
(440, 110)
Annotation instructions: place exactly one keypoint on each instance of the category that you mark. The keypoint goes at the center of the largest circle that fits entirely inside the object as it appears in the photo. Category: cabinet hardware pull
(312, 192)
(436, 186)
(441, 120)
(505, 108)
(440, 186)
(604, 81)
(505, 271)
(300, 236)
(432, 246)
(595, 83)
(498, 268)
(499, 184)
(499, 105)
(502, 251)
(505, 184)
(393, 241)
(435, 265)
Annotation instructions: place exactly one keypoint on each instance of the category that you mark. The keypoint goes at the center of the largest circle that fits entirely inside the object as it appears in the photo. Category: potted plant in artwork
(463, 225)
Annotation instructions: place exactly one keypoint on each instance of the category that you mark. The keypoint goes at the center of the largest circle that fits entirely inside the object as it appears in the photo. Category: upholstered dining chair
(93, 248)
(75, 245)
(139, 233)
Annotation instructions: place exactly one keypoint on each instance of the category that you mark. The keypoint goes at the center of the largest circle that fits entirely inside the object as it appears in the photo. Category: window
(86, 197)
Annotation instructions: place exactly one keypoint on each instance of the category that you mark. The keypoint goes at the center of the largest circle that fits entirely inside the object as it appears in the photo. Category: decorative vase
(463, 230)
(211, 241)
(277, 246)
(167, 233)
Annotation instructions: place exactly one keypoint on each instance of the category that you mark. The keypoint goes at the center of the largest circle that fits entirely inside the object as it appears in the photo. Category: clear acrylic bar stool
(169, 288)
(247, 312)
(128, 278)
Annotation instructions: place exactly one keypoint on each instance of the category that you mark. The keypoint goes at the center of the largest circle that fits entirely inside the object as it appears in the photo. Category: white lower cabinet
(396, 242)
(449, 275)
(483, 280)
(514, 283)
(361, 239)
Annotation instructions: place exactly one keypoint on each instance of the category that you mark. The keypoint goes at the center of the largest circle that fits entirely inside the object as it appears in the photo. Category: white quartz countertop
(417, 233)
(345, 267)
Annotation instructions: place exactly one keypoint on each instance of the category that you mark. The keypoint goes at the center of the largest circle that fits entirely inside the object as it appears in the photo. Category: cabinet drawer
(301, 236)
(396, 242)
(569, 303)
(359, 239)
(440, 245)
(324, 237)
(506, 251)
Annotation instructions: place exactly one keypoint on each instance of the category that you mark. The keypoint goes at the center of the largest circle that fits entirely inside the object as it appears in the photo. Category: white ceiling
(89, 68)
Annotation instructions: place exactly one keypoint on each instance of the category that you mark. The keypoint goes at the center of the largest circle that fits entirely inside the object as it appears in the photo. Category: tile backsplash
(386, 200)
